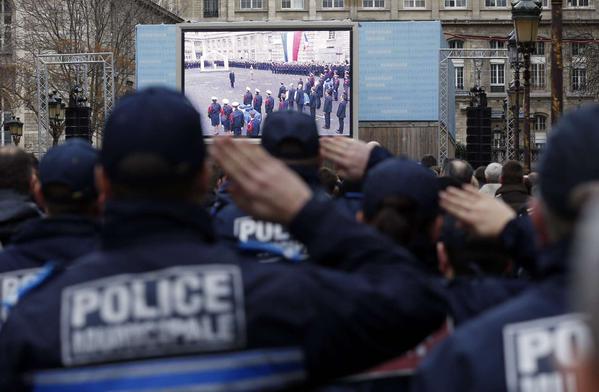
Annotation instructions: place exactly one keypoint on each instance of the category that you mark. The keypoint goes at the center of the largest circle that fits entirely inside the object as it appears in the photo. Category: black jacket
(514, 195)
(161, 294)
(15, 210)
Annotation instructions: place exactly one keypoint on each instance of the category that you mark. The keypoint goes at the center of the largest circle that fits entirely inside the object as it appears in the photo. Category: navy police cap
(71, 164)
(570, 159)
(400, 177)
(156, 123)
(294, 126)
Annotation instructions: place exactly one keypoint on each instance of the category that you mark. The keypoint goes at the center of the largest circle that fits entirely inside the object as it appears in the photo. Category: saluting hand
(261, 185)
(483, 214)
(349, 156)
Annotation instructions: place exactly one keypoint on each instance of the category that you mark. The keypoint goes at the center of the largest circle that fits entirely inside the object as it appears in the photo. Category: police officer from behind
(247, 97)
(313, 103)
(290, 97)
(237, 119)
(292, 137)
(269, 102)
(299, 97)
(533, 337)
(67, 192)
(232, 79)
(341, 113)
(327, 108)
(165, 306)
(214, 115)
(257, 102)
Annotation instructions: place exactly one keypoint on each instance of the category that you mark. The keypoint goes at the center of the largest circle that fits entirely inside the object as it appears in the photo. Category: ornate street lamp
(526, 15)
(15, 127)
(56, 113)
(514, 93)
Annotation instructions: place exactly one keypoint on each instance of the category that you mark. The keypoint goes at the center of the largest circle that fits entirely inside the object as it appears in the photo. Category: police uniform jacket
(328, 104)
(257, 102)
(163, 305)
(341, 109)
(237, 119)
(247, 98)
(519, 344)
(269, 104)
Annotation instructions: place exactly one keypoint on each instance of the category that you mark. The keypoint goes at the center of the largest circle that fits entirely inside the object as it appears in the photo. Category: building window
(539, 49)
(497, 78)
(578, 79)
(455, 3)
(545, 4)
(250, 4)
(540, 123)
(413, 4)
(292, 4)
(210, 8)
(456, 44)
(459, 78)
(494, 44)
(578, 48)
(578, 3)
(537, 76)
(373, 3)
(5, 26)
(332, 4)
(495, 3)
(331, 35)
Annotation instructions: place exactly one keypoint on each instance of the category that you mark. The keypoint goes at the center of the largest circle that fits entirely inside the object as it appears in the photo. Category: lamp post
(514, 90)
(56, 112)
(15, 127)
(526, 15)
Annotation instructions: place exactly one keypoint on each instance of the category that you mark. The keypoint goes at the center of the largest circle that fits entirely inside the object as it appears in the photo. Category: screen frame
(352, 27)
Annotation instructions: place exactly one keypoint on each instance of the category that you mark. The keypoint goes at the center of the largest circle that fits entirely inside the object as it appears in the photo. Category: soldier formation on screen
(323, 85)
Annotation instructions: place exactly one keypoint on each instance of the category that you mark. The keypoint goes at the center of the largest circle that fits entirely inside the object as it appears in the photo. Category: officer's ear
(360, 216)
(103, 185)
(38, 196)
(444, 262)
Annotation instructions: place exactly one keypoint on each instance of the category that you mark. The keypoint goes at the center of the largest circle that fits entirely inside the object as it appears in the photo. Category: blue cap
(71, 164)
(570, 159)
(399, 177)
(159, 123)
(287, 125)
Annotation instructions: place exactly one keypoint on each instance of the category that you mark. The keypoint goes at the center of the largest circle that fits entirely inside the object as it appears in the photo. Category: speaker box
(78, 123)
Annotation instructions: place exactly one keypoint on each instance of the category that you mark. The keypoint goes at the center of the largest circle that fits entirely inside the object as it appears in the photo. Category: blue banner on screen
(156, 56)
(399, 71)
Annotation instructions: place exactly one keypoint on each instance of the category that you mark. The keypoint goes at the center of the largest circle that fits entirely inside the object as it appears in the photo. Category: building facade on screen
(466, 23)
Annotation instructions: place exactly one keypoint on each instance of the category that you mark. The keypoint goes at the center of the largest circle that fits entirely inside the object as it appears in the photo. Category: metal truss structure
(81, 62)
(445, 58)
(510, 121)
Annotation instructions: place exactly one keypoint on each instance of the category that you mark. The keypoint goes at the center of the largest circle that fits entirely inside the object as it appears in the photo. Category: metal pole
(2, 141)
(517, 112)
(557, 64)
(526, 51)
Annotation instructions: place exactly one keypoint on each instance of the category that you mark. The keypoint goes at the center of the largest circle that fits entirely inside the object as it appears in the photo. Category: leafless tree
(74, 26)
(582, 52)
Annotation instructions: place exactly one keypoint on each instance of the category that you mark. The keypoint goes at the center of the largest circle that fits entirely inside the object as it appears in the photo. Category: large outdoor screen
(236, 77)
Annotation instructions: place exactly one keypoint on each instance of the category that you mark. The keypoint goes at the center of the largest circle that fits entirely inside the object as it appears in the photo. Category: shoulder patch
(540, 354)
(171, 311)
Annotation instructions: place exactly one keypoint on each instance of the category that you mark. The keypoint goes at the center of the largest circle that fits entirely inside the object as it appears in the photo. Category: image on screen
(238, 77)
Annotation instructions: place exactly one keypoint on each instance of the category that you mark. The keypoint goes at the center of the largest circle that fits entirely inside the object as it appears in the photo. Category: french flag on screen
(291, 44)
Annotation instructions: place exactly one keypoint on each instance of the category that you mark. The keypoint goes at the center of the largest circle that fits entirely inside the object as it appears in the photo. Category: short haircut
(16, 169)
(512, 173)
(328, 179)
(479, 174)
(493, 173)
(58, 201)
(428, 161)
(149, 176)
(458, 169)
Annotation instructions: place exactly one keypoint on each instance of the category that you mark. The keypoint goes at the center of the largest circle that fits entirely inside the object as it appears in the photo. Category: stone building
(466, 23)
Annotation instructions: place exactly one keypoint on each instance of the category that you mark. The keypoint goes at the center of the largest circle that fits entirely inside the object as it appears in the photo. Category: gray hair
(493, 172)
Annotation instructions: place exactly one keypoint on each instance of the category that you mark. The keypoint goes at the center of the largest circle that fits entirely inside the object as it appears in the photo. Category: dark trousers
(232, 84)
(318, 103)
(336, 95)
(236, 131)
(300, 108)
(313, 113)
(341, 124)
(290, 105)
(327, 120)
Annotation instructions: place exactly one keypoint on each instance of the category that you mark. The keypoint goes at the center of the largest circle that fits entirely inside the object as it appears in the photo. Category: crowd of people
(277, 67)
(237, 119)
(164, 264)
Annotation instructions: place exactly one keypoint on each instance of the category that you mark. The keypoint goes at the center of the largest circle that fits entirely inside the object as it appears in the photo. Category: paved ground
(200, 87)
